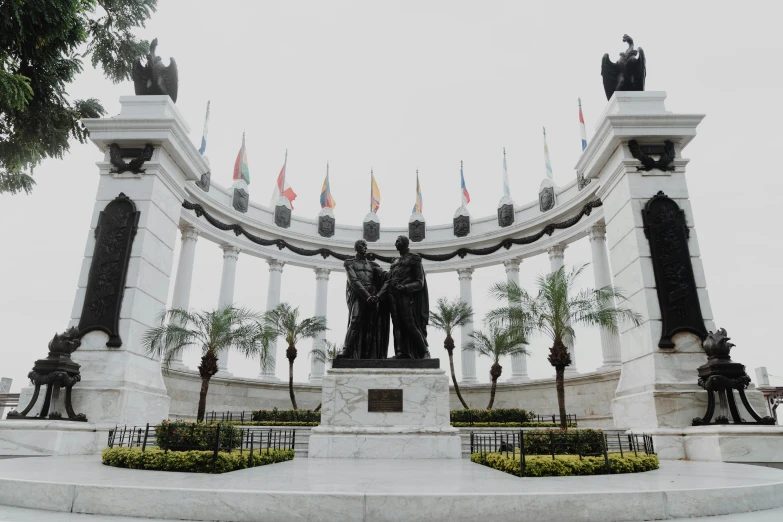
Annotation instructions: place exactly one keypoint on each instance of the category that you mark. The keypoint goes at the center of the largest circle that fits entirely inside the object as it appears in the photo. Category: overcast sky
(406, 85)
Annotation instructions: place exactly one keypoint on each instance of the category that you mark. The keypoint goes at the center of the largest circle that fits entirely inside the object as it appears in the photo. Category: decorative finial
(460, 163)
(504, 151)
(544, 131)
(580, 102)
(327, 168)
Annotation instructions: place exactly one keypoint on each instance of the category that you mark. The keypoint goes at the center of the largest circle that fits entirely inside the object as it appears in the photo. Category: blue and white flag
(506, 188)
(203, 147)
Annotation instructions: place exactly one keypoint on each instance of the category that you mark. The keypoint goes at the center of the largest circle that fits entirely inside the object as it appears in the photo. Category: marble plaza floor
(381, 490)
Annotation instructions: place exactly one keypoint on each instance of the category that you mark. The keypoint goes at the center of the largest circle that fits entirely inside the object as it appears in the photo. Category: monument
(373, 406)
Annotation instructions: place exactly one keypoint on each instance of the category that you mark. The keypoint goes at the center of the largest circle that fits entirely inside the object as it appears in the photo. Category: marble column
(226, 297)
(610, 342)
(468, 357)
(183, 282)
(321, 291)
(518, 362)
(557, 261)
(272, 300)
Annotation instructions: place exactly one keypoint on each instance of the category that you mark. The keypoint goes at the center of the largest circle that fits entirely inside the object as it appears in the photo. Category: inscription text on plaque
(384, 400)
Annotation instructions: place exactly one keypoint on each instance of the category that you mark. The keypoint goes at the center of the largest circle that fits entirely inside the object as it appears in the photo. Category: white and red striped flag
(282, 188)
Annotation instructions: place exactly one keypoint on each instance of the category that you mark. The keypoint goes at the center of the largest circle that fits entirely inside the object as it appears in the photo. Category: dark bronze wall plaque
(667, 232)
(106, 282)
(384, 400)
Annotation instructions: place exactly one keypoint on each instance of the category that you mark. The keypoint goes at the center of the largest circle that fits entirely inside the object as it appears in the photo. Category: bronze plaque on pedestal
(384, 400)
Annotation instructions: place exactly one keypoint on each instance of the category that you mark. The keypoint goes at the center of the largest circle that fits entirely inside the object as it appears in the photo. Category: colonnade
(610, 342)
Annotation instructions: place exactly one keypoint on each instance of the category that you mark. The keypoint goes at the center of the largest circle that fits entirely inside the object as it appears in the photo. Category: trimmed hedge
(512, 415)
(270, 423)
(565, 465)
(187, 436)
(278, 416)
(191, 461)
(541, 442)
(504, 425)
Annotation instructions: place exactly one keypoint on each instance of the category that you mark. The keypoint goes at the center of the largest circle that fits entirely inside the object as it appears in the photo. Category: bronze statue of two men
(374, 296)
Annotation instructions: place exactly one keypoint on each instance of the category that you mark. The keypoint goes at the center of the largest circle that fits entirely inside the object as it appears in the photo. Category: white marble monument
(349, 429)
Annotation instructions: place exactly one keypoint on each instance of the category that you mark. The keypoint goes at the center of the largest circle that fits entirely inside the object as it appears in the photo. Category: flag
(326, 192)
(203, 147)
(375, 194)
(547, 163)
(282, 188)
(419, 206)
(465, 193)
(582, 126)
(506, 188)
(241, 170)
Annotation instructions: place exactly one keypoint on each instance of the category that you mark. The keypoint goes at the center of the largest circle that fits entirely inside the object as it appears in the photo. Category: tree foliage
(42, 44)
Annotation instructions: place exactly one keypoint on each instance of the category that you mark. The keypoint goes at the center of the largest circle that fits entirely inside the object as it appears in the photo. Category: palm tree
(217, 332)
(498, 343)
(553, 313)
(326, 355)
(283, 321)
(450, 315)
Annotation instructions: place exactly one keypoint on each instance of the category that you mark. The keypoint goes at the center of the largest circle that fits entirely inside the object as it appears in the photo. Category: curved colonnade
(577, 214)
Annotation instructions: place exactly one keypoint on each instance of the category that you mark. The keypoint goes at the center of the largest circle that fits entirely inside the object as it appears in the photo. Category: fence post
(620, 442)
(217, 448)
(578, 445)
(471, 443)
(552, 442)
(632, 442)
(168, 438)
(522, 464)
(604, 440)
(293, 439)
(146, 434)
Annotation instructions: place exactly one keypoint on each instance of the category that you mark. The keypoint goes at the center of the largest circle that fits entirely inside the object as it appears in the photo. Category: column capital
(275, 265)
(556, 251)
(230, 251)
(597, 232)
(512, 265)
(465, 274)
(189, 233)
(321, 274)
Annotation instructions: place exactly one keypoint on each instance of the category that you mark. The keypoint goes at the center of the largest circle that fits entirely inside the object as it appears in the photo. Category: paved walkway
(384, 490)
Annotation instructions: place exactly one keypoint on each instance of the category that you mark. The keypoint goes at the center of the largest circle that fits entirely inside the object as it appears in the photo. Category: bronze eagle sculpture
(627, 74)
(154, 77)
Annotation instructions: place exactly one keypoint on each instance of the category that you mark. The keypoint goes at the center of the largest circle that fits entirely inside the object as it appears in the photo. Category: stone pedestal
(745, 444)
(422, 430)
(36, 438)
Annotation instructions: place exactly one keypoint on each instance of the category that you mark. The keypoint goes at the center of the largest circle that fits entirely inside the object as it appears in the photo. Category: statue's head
(360, 246)
(402, 244)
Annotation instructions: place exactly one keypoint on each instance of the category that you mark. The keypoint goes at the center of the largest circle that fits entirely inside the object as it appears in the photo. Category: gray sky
(407, 85)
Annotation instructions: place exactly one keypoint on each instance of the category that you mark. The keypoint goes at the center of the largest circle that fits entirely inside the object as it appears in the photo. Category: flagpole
(370, 189)
(461, 177)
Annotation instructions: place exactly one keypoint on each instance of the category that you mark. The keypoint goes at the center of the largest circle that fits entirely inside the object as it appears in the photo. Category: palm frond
(497, 342)
(450, 314)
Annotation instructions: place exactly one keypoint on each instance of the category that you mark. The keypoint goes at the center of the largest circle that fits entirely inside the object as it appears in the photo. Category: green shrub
(277, 416)
(191, 461)
(512, 415)
(565, 465)
(187, 436)
(541, 442)
(270, 423)
(504, 425)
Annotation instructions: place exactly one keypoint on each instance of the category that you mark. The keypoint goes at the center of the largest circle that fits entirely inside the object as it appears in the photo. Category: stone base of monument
(37, 438)
(384, 411)
(743, 443)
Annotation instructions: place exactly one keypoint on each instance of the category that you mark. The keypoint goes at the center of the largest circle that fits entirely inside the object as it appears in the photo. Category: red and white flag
(282, 188)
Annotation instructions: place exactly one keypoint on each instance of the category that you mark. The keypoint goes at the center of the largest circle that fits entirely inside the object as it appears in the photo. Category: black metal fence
(571, 421)
(249, 417)
(518, 445)
(191, 436)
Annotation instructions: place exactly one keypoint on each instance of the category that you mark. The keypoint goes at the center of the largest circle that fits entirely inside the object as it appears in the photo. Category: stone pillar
(123, 385)
(557, 261)
(226, 297)
(272, 300)
(610, 342)
(658, 386)
(468, 357)
(321, 291)
(518, 362)
(183, 282)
